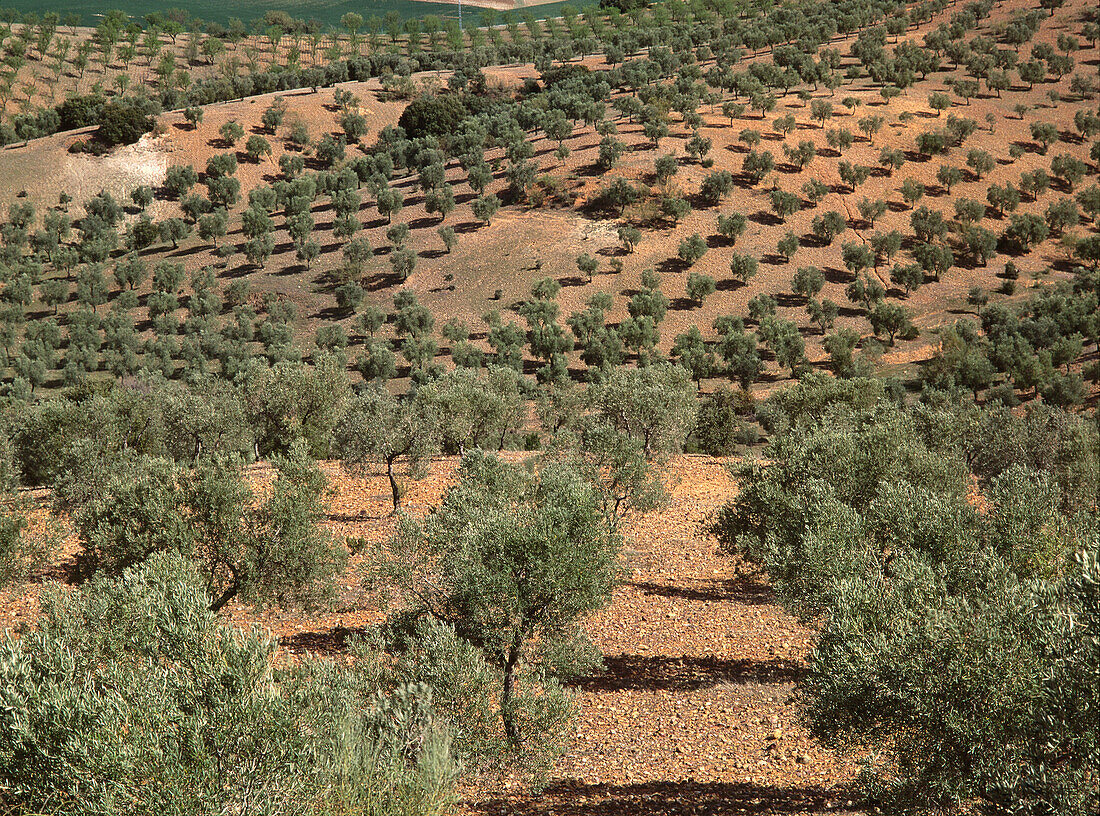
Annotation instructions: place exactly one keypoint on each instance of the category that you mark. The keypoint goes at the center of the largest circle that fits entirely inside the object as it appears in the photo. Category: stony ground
(693, 711)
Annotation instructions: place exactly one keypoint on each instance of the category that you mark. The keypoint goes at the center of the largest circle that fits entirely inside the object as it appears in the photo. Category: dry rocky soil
(693, 712)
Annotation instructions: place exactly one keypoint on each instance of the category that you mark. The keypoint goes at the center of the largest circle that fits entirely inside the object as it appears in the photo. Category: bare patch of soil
(693, 711)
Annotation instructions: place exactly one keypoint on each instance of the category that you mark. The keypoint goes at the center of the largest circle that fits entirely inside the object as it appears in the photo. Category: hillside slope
(693, 712)
(559, 220)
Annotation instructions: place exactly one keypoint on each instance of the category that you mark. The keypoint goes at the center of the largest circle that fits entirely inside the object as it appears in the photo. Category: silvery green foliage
(132, 698)
(509, 565)
(982, 697)
(654, 404)
(949, 554)
(265, 550)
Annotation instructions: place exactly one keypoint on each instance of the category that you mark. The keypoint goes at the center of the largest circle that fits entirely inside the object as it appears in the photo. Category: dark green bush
(125, 121)
(433, 115)
(80, 111)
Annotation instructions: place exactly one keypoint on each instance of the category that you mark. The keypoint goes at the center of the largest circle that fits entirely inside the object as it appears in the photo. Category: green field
(327, 12)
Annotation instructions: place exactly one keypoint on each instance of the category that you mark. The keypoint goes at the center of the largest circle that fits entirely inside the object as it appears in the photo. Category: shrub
(947, 648)
(655, 405)
(692, 248)
(80, 111)
(743, 267)
(731, 226)
(808, 282)
(891, 319)
(788, 245)
(231, 132)
(828, 226)
(715, 186)
(1026, 230)
(257, 147)
(931, 143)
(675, 207)
(629, 236)
(134, 698)
(758, 164)
(815, 191)
(587, 265)
(784, 204)
(123, 122)
(349, 295)
(783, 340)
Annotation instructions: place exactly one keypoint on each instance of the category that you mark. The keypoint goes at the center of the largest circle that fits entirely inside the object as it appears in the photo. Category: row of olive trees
(542, 42)
(958, 641)
(572, 97)
(495, 581)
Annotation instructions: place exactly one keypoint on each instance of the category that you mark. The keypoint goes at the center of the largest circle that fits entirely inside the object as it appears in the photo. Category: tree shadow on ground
(571, 797)
(382, 280)
(683, 304)
(729, 285)
(785, 300)
(742, 589)
(72, 570)
(424, 223)
(331, 642)
(573, 280)
(766, 219)
(665, 673)
(672, 266)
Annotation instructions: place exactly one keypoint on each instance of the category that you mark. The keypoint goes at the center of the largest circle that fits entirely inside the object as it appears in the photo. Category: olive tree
(266, 552)
(377, 427)
(121, 678)
(514, 560)
(472, 408)
(956, 645)
(699, 287)
(654, 404)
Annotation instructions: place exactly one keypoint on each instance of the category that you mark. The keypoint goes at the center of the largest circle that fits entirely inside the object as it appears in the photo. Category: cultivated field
(693, 712)
(586, 245)
(559, 217)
